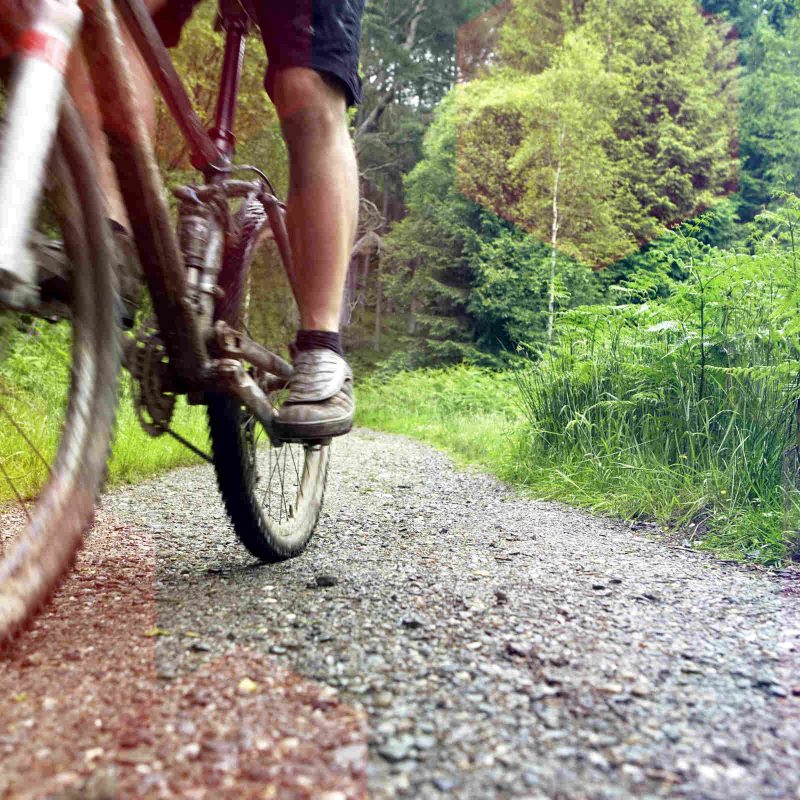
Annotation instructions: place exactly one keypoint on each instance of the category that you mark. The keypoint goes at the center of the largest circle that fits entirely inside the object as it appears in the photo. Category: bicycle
(196, 277)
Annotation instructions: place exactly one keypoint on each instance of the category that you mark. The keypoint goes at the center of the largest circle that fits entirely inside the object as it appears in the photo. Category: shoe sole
(305, 432)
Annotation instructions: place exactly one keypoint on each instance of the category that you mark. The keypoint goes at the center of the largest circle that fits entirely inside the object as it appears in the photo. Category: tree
(533, 32)
(472, 284)
(770, 115)
(676, 130)
(549, 170)
(428, 252)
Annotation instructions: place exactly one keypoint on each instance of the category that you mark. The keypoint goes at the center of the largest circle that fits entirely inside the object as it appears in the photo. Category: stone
(397, 748)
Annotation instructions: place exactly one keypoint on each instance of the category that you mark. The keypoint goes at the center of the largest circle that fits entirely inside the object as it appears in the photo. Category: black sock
(309, 340)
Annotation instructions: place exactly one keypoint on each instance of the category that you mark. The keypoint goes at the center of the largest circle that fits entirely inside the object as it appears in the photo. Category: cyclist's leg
(312, 77)
(323, 193)
(80, 87)
(312, 47)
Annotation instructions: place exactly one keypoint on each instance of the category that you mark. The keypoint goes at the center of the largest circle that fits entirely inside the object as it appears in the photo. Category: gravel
(499, 646)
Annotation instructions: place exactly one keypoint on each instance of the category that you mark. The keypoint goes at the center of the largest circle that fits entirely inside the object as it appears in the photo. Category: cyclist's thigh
(322, 35)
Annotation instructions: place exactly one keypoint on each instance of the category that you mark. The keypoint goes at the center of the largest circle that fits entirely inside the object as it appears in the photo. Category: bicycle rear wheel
(273, 495)
(59, 369)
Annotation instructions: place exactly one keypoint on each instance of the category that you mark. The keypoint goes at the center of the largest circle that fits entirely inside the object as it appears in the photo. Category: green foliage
(770, 114)
(676, 403)
(509, 295)
(472, 285)
(550, 19)
(593, 143)
(691, 398)
(34, 380)
(746, 14)
(466, 410)
(632, 109)
(550, 163)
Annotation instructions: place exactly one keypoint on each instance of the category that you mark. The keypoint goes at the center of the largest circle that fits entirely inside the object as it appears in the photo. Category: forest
(576, 258)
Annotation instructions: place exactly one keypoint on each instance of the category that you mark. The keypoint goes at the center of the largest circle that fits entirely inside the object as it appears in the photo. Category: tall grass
(677, 406)
(468, 411)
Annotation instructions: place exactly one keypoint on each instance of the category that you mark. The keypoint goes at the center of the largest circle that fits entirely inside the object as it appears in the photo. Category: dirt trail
(481, 644)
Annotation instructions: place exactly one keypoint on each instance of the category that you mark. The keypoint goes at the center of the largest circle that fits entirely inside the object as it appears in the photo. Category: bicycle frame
(139, 180)
(181, 276)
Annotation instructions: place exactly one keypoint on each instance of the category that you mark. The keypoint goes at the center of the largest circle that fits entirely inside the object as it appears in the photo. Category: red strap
(45, 47)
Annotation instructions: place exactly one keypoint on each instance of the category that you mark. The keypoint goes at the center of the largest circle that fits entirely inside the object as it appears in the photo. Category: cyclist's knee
(305, 95)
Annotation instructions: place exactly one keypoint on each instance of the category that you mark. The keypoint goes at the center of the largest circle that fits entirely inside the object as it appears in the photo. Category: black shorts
(321, 34)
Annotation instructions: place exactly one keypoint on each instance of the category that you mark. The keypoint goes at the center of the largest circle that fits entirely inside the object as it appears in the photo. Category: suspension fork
(31, 121)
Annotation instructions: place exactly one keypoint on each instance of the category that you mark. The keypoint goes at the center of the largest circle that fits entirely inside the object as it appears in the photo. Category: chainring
(147, 361)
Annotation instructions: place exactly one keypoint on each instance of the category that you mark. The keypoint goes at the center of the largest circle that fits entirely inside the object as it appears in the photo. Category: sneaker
(320, 402)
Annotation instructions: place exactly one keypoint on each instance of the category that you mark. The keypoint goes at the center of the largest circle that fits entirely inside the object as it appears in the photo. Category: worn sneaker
(320, 402)
(54, 269)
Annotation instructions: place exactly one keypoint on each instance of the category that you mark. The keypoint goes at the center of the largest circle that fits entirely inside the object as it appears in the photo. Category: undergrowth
(676, 403)
(34, 376)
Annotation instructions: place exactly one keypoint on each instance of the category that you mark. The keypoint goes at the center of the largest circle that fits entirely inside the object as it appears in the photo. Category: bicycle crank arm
(235, 345)
(31, 121)
(230, 377)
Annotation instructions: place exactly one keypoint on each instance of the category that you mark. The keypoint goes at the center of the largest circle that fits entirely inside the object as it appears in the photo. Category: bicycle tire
(35, 563)
(234, 439)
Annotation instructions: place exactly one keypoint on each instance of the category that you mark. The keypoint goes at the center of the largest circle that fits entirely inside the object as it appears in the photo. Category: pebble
(445, 784)
(397, 748)
(424, 742)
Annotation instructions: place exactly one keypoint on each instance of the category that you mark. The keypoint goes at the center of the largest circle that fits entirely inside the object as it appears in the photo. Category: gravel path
(500, 647)
(486, 646)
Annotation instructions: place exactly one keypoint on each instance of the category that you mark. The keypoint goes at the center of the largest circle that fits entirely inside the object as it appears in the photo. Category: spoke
(264, 499)
(22, 433)
(16, 493)
(271, 475)
(283, 489)
(296, 472)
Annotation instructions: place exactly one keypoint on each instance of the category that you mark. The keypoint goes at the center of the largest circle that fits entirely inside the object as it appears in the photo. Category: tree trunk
(348, 299)
(551, 289)
(378, 304)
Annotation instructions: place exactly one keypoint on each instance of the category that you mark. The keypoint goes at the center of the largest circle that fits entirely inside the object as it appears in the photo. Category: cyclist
(312, 78)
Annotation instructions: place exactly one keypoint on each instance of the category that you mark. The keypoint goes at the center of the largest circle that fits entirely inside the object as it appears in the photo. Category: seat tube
(222, 132)
(32, 118)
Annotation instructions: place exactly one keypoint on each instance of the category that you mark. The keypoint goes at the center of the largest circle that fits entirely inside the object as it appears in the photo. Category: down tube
(142, 191)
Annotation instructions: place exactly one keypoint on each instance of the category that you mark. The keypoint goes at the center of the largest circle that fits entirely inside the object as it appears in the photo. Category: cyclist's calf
(80, 87)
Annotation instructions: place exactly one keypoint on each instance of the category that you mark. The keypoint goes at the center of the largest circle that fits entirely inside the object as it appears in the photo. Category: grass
(676, 400)
(472, 414)
(136, 456)
(484, 418)
(661, 417)
(33, 381)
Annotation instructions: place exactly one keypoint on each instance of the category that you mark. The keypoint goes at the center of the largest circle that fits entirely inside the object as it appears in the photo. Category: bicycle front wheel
(58, 380)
